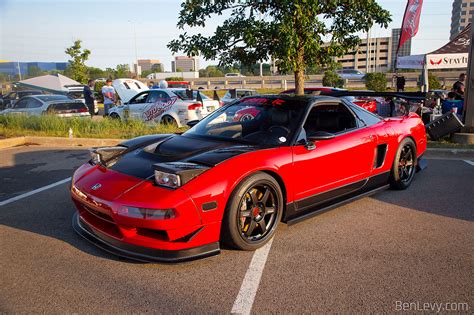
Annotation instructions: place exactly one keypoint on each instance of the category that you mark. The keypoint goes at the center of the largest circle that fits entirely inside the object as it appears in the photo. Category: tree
(179, 69)
(123, 71)
(77, 68)
(376, 81)
(34, 71)
(297, 33)
(95, 73)
(331, 78)
(157, 67)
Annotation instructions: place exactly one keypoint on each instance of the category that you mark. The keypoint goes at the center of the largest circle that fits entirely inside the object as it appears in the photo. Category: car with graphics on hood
(48, 104)
(166, 106)
(177, 197)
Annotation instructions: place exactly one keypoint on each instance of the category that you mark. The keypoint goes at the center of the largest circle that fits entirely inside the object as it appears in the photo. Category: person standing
(400, 83)
(108, 92)
(89, 96)
(458, 87)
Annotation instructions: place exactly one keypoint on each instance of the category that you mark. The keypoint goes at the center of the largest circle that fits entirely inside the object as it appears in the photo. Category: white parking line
(469, 162)
(5, 202)
(244, 300)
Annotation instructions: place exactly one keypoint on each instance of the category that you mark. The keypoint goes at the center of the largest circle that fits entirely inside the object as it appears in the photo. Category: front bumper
(139, 253)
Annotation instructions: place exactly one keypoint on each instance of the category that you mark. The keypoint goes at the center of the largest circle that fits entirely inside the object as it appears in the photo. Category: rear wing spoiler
(411, 96)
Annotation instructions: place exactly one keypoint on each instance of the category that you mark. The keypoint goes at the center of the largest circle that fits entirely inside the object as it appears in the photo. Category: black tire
(168, 120)
(114, 116)
(249, 229)
(404, 165)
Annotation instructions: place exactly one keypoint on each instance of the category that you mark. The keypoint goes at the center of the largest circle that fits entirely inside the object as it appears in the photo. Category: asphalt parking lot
(397, 246)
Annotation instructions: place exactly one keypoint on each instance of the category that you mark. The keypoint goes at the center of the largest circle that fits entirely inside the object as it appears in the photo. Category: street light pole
(136, 51)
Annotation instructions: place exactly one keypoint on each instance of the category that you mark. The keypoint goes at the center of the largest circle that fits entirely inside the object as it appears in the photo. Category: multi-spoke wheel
(253, 212)
(404, 165)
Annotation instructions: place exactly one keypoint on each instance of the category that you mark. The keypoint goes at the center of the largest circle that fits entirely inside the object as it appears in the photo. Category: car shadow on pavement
(48, 213)
(444, 188)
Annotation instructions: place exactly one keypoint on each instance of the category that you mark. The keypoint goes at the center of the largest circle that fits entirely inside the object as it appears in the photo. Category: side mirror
(321, 135)
(192, 123)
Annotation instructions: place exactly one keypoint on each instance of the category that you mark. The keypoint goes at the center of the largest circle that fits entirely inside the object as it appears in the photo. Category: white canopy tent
(55, 83)
(453, 55)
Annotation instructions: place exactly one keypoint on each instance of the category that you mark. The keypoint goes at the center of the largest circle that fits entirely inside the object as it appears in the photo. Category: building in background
(185, 64)
(379, 60)
(15, 68)
(405, 50)
(462, 13)
(150, 64)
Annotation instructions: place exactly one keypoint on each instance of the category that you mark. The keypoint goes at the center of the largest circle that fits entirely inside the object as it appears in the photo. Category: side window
(333, 118)
(158, 96)
(32, 103)
(368, 118)
(21, 103)
(139, 99)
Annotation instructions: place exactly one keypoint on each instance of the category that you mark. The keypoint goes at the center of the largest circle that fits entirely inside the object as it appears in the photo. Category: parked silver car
(350, 74)
(59, 105)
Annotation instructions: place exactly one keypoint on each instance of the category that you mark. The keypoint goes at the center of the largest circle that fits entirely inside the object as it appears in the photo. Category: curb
(58, 142)
(11, 142)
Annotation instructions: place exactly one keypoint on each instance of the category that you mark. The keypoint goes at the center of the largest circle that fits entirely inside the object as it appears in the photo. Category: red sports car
(177, 197)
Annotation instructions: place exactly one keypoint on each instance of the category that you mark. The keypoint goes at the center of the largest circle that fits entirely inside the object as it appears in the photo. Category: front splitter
(139, 253)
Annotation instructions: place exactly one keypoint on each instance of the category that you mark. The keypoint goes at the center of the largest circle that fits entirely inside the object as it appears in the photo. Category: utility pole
(19, 70)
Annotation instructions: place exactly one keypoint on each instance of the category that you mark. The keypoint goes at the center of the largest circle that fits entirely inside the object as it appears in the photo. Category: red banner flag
(411, 20)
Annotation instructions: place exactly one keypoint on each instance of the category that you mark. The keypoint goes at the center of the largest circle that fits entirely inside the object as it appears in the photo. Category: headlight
(146, 214)
(167, 179)
(176, 174)
(102, 156)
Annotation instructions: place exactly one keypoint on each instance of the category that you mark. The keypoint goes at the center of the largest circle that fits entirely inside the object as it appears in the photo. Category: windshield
(184, 96)
(259, 120)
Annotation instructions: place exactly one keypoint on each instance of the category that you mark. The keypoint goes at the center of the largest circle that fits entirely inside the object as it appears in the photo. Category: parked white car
(128, 88)
(77, 93)
(167, 106)
(59, 105)
(234, 75)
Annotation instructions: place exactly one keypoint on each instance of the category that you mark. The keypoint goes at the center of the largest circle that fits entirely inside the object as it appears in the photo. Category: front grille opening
(155, 234)
(102, 223)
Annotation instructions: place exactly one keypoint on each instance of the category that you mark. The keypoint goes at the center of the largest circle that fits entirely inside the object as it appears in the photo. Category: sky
(35, 30)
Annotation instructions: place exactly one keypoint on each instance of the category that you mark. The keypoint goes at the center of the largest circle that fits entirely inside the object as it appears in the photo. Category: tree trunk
(299, 82)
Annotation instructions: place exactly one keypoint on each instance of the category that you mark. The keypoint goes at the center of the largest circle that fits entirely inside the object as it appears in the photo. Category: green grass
(52, 126)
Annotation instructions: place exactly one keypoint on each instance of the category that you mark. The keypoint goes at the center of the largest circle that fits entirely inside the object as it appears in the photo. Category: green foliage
(77, 69)
(157, 68)
(179, 69)
(95, 73)
(297, 33)
(376, 81)
(34, 71)
(331, 78)
(21, 125)
(433, 81)
(174, 79)
(123, 71)
(98, 91)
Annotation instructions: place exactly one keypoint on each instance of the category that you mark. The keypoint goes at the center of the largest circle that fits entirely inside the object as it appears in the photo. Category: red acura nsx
(177, 197)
